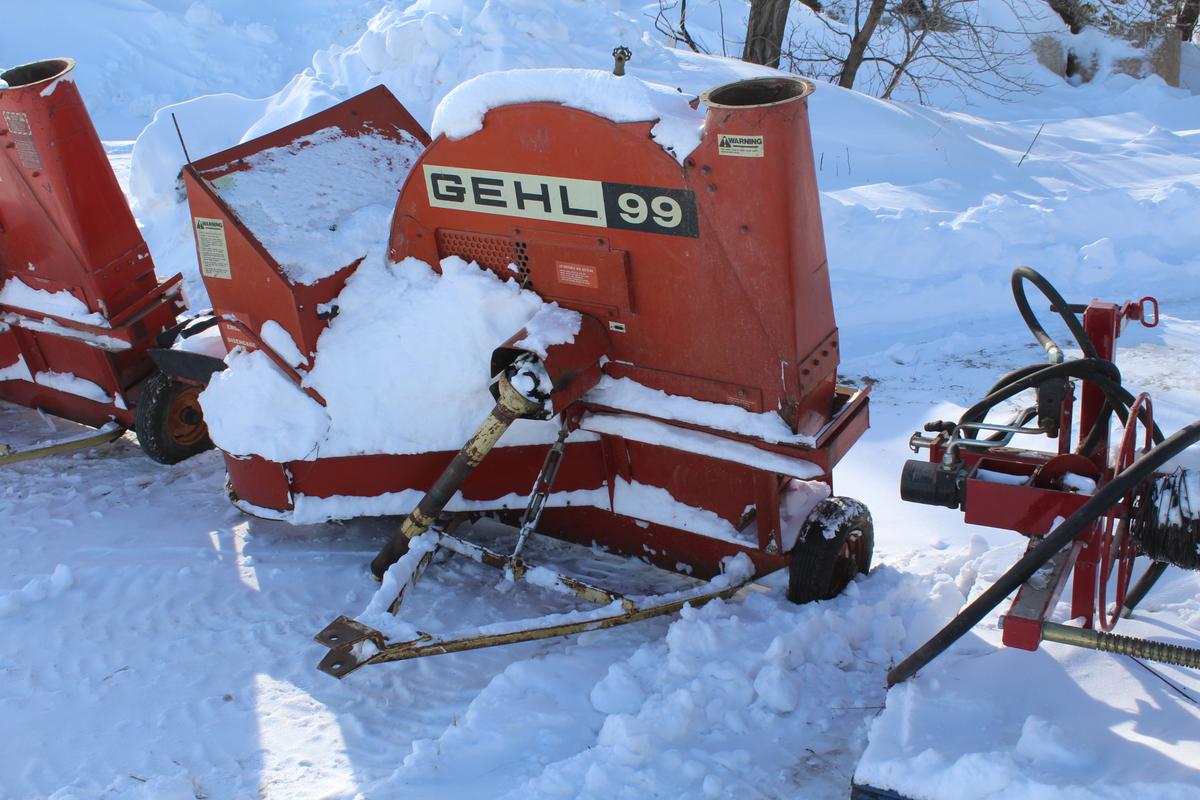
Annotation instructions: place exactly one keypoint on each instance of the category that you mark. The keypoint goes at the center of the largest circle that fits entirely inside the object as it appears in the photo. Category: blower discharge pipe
(1032, 561)
(510, 406)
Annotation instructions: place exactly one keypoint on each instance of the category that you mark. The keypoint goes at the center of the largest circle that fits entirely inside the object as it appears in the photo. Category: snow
(630, 395)
(320, 202)
(15, 292)
(16, 371)
(173, 613)
(135, 56)
(48, 325)
(72, 384)
(252, 408)
(992, 476)
(208, 342)
(276, 337)
(1079, 483)
(551, 325)
(375, 368)
(797, 500)
(37, 590)
(50, 88)
(677, 117)
(640, 429)
(655, 504)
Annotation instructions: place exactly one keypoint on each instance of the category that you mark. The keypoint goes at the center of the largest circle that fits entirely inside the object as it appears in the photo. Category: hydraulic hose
(1089, 368)
(1105, 375)
(1022, 274)
(1070, 529)
(1099, 371)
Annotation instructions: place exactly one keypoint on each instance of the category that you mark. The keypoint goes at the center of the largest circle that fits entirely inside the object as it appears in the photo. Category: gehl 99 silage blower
(699, 278)
(1089, 510)
(81, 310)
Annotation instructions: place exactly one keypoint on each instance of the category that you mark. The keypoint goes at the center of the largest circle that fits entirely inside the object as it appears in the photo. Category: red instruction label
(578, 275)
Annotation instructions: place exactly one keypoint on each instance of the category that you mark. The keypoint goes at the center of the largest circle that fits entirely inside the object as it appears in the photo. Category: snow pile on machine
(318, 203)
(403, 369)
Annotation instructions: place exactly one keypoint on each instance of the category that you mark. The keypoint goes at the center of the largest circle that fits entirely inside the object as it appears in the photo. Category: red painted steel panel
(257, 289)
(61, 207)
(65, 227)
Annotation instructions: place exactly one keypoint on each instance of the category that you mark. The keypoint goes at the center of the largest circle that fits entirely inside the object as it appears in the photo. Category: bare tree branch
(765, 31)
(678, 34)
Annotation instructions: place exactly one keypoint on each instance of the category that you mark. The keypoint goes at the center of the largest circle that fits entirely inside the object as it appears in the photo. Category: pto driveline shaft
(510, 406)
(1175, 654)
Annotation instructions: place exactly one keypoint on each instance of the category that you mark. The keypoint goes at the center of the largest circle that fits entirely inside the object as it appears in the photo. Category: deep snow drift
(157, 643)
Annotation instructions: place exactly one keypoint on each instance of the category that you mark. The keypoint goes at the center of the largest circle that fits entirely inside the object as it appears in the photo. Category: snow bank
(322, 201)
(1056, 724)
(37, 590)
(621, 99)
(747, 697)
(136, 56)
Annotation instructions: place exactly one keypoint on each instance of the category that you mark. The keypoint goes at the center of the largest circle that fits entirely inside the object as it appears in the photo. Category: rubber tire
(152, 422)
(835, 544)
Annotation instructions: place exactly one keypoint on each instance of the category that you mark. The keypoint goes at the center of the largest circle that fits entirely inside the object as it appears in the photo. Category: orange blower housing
(65, 227)
(705, 279)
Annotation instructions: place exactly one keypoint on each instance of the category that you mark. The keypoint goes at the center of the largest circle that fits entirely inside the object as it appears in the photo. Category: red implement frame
(705, 279)
(1033, 505)
(65, 227)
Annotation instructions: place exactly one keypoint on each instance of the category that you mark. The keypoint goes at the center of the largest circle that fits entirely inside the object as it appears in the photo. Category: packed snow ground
(156, 643)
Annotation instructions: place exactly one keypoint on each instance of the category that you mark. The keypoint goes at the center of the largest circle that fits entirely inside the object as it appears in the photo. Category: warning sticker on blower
(210, 242)
(584, 275)
(729, 144)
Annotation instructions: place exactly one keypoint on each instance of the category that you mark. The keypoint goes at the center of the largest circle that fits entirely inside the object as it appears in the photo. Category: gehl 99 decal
(600, 204)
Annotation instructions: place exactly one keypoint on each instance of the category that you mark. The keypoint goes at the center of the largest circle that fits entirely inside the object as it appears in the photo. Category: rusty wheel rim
(185, 422)
(853, 550)
(850, 559)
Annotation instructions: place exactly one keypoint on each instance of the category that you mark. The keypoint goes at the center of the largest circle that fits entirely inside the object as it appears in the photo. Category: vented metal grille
(522, 262)
(493, 252)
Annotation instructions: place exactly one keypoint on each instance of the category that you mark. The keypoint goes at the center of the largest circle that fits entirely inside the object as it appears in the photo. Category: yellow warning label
(210, 242)
(744, 145)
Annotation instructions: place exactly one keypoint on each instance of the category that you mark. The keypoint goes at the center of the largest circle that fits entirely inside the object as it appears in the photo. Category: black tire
(169, 424)
(835, 544)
